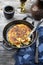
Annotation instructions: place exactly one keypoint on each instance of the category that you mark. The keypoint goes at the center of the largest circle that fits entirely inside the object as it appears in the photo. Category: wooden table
(6, 57)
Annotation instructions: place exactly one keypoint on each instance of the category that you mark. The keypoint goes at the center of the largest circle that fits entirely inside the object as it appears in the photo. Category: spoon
(35, 28)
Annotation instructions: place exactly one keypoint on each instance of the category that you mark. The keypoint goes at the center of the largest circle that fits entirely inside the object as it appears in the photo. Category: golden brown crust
(18, 34)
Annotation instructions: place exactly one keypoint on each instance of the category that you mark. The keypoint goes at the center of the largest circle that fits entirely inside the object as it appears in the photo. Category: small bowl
(9, 12)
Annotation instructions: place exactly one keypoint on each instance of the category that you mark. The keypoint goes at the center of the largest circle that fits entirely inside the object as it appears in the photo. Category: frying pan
(9, 25)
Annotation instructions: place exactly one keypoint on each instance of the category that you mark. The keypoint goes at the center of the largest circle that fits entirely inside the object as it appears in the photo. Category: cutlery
(37, 45)
(35, 28)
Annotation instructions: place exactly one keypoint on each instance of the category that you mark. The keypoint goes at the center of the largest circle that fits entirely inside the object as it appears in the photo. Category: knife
(37, 45)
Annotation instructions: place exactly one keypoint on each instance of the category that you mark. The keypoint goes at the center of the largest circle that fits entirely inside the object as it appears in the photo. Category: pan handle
(7, 47)
(29, 17)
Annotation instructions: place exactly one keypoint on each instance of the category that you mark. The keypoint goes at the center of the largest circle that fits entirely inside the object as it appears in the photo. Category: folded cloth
(40, 31)
(27, 56)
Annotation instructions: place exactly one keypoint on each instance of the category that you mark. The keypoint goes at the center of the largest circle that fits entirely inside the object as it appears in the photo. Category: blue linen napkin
(27, 56)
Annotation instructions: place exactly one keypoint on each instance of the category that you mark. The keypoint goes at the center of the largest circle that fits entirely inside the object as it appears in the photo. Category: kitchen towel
(27, 56)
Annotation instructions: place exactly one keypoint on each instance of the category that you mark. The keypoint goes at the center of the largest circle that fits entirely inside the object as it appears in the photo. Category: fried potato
(19, 34)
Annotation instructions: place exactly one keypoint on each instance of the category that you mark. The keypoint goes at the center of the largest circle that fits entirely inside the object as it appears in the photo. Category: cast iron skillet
(8, 26)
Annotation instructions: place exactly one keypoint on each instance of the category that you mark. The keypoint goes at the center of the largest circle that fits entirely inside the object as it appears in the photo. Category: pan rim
(8, 42)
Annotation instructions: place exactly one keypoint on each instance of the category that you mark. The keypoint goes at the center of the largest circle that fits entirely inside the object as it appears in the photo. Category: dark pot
(9, 12)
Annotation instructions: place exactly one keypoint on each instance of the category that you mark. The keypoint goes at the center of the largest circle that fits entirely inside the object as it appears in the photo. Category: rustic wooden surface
(6, 57)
